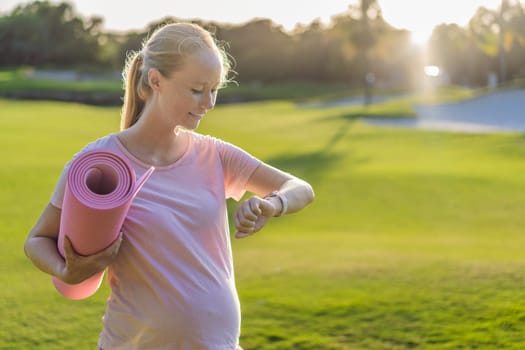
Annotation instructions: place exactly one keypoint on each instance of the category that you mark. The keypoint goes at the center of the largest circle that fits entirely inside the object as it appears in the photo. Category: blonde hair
(165, 51)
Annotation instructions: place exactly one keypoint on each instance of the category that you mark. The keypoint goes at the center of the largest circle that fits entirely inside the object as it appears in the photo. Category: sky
(417, 16)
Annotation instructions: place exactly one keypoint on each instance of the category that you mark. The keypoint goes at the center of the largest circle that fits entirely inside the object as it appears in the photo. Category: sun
(420, 37)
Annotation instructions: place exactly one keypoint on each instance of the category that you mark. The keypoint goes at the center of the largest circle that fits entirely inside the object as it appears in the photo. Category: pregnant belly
(195, 319)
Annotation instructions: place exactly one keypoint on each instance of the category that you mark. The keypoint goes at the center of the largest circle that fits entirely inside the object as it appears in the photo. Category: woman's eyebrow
(200, 82)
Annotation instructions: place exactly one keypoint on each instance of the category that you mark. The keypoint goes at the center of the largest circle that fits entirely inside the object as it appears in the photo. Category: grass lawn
(415, 240)
(20, 80)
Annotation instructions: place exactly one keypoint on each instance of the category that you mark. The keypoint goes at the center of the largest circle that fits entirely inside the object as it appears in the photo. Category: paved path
(502, 111)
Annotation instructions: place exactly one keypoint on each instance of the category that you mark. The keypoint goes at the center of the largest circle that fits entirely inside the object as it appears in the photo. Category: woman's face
(186, 95)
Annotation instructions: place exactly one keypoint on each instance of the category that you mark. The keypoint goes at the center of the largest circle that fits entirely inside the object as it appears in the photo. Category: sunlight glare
(419, 37)
(432, 71)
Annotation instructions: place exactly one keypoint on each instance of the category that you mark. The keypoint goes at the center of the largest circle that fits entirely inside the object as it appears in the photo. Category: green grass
(415, 239)
(20, 80)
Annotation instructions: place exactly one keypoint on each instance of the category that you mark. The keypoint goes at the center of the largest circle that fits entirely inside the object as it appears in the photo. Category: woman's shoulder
(105, 142)
(208, 142)
(202, 140)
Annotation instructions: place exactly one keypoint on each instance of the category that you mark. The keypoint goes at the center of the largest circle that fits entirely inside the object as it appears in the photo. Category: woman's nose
(208, 100)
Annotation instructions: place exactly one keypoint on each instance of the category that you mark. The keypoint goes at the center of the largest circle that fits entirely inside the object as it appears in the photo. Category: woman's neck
(153, 143)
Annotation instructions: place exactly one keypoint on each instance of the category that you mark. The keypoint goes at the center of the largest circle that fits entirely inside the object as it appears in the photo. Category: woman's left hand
(251, 215)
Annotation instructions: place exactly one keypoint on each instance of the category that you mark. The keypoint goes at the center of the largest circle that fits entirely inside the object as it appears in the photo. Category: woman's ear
(154, 79)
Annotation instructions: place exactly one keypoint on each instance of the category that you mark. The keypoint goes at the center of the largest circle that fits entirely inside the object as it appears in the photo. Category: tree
(364, 39)
(262, 50)
(43, 33)
(453, 49)
(314, 54)
(498, 31)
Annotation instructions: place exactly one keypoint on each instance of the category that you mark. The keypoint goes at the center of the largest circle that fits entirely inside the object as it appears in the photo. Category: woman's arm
(41, 249)
(291, 194)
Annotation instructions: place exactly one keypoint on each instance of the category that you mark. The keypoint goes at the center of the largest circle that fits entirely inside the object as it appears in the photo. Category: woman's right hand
(78, 268)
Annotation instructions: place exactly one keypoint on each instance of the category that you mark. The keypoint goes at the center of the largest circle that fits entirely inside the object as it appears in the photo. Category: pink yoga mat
(99, 190)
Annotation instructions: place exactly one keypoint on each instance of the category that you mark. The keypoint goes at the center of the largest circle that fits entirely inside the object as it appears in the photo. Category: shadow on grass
(309, 166)
(313, 165)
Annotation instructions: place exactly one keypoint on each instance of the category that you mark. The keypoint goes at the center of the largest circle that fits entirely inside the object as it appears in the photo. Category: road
(502, 111)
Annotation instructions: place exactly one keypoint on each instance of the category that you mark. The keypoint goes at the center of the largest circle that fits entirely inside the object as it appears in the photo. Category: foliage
(40, 33)
(262, 50)
(463, 60)
(494, 41)
(355, 42)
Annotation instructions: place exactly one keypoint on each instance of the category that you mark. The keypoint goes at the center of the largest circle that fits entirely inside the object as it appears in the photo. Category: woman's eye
(196, 91)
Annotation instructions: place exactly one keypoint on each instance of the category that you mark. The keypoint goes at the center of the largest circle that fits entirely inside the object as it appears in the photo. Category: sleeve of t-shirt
(238, 165)
(57, 197)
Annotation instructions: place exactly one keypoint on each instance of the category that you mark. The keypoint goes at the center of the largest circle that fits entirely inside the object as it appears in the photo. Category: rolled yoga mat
(99, 190)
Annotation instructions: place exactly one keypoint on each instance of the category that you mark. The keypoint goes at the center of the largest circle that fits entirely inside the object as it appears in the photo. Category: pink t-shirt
(173, 283)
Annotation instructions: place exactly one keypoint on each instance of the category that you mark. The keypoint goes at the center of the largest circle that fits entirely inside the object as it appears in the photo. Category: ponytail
(136, 90)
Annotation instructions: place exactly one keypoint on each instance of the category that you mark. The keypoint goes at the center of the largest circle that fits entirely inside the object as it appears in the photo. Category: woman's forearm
(297, 194)
(43, 252)
(41, 244)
